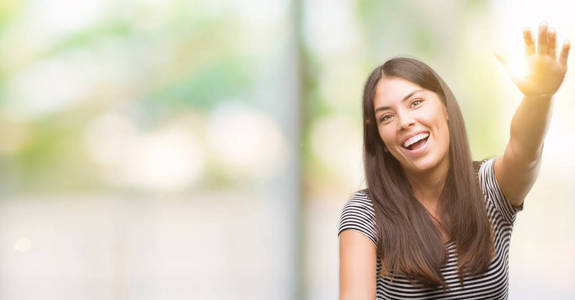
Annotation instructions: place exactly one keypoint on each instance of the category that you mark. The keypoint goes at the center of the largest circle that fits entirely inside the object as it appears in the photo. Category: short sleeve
(493, 193)
(358, 214)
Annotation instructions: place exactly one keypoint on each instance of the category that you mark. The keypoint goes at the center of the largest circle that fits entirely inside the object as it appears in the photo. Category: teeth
(415, 139)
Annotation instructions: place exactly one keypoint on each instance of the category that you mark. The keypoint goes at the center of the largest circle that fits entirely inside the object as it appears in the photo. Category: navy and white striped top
(358, 214)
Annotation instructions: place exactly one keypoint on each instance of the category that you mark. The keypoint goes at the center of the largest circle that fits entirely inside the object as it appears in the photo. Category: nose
(406, 120)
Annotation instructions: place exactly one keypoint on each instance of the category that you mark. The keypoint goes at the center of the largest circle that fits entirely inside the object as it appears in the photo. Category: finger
(501, 57)
(564, 53)
(542, 38)
(529, 42)
(552, 42)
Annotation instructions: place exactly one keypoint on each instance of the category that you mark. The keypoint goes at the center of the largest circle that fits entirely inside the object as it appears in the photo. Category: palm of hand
(545, 72)
(544, 76)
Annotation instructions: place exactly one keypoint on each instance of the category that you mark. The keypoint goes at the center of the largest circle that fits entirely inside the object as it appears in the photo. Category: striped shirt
(358, 215)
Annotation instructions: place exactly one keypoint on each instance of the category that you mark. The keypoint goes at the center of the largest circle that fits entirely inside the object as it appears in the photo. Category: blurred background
(204, 149)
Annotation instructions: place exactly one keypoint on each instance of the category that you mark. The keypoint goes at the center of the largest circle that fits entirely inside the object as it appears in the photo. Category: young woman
(432, 224)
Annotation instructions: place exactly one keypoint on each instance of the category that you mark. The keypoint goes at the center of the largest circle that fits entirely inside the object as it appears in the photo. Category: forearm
(528, 128)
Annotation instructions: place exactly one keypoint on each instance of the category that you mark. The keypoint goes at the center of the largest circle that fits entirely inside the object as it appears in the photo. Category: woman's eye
(416, 102)
(384, 118)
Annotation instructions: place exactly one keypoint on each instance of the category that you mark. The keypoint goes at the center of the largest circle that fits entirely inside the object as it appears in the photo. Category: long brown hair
(409, 243)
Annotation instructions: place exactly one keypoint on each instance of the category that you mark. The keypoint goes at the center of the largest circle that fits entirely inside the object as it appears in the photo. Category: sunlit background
(203, 149)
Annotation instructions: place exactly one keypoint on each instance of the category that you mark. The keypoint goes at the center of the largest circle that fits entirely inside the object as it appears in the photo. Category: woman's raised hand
(545, 71)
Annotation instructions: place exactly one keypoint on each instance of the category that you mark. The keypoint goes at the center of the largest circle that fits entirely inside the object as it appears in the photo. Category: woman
(432, 224)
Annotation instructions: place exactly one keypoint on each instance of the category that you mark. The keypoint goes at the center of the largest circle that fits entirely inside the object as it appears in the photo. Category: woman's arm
(357, 266)
(517, 169)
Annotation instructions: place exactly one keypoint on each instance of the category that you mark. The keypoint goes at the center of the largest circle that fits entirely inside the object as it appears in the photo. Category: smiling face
(412, 123)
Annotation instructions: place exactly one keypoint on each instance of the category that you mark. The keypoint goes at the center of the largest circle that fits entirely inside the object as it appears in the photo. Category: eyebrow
(404, 98)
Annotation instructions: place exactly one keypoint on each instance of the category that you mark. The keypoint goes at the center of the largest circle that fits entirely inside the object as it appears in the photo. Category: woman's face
(412, 123)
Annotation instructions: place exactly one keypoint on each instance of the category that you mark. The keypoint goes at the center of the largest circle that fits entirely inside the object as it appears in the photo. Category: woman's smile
(417, 146)
(416, 143)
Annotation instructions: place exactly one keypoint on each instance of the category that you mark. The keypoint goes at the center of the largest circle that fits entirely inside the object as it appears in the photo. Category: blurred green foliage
(190, 62)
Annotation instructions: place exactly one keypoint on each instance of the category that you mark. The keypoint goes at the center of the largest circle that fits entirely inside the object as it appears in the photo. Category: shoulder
(492, 192)
(358, 214)
(360, 199)
(487, 179)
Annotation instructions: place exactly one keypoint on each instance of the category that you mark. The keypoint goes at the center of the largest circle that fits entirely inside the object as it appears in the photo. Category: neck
(427, 186)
